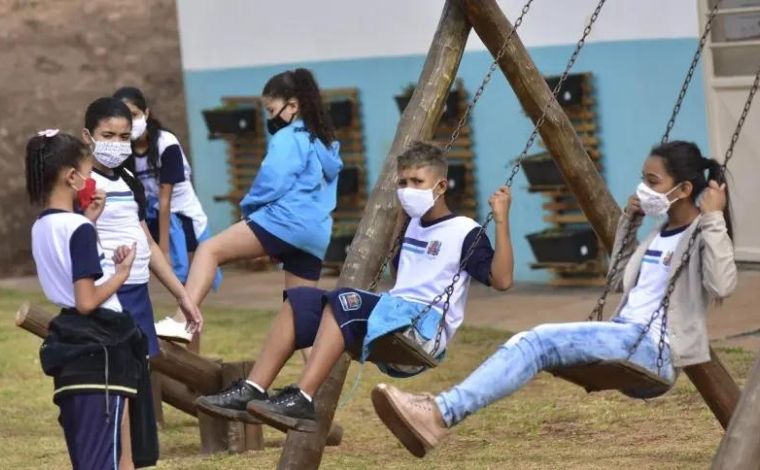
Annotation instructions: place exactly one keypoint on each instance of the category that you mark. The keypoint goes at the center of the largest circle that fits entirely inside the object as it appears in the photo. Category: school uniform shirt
(172, 168)
(65, 250)
(656, 266)
(429, 258)
(119, 224)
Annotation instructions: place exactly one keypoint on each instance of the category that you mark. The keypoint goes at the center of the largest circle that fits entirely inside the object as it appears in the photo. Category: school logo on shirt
(667, 258)
(434, 248)
(350, 301)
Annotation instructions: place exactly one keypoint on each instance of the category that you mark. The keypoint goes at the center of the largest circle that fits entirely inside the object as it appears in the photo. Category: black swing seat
(611, 375)
(395, 348)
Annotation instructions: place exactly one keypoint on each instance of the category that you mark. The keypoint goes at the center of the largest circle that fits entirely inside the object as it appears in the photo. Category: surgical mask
(111, 153)
(652, 202)
(416, 202)
(84, 195)
(276, 123)
(138, 127)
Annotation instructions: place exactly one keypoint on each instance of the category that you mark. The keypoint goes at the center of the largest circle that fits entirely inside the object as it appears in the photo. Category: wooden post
(242, 437)
(711, 379)
(377, 226)
(740, 447)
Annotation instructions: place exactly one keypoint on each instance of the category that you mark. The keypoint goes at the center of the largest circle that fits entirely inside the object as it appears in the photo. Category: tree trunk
(714, 383)
(740, 447)
(377, 226)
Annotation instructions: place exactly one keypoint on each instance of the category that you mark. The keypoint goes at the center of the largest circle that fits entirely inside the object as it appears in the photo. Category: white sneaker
(172, 330)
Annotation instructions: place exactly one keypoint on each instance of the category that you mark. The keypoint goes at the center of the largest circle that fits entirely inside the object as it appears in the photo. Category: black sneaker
(230, 403)
(287, 410)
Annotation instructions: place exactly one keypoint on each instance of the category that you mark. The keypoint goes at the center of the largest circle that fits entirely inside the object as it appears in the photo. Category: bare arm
(89, 297)
(164, 214)
(502, 265)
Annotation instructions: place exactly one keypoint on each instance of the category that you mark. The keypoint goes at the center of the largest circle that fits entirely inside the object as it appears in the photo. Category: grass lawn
(549, 424)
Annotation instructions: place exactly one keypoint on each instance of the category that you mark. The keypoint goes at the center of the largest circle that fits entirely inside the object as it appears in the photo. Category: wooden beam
(740, 447)
(176, 394)
(711, 379)
(174, 361)
(378, 223)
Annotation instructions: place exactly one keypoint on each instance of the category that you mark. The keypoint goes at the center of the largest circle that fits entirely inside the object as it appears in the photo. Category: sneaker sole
(175, 339)
(393, 420)
(281, 422)
(225, 413)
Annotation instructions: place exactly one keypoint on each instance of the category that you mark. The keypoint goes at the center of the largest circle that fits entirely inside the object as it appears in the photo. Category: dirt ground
(56, 56)
(521, 307)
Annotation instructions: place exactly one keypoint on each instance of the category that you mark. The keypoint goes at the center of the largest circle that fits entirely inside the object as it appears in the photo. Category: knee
(530, 336)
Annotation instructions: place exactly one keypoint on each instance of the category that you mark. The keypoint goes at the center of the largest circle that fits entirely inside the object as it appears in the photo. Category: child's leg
(277, 349)
(328, 346)
(234, 243)
(542, 348)
(92, 437)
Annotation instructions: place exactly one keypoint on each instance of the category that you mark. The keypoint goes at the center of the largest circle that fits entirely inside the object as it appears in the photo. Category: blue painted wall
(636, 83)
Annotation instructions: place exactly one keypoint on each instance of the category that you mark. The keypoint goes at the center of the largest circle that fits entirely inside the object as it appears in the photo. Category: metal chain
(449, 291)
(662, 309)
(597, 313)
(690, 72)
(455, 134)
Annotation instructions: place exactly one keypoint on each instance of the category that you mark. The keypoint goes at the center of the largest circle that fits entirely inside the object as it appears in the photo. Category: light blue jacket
(295, 189)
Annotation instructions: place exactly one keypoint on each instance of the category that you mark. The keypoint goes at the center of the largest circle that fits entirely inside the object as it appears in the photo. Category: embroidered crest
(434, 248)
(350, 301)
(667, 258)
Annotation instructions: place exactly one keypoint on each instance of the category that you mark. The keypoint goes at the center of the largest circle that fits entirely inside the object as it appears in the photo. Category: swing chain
(448, 292)
(690, 72)
(455, 135)
(598, 312)
(742, 118)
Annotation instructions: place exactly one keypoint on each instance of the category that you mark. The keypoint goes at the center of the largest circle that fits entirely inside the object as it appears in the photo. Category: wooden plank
(578, 282)
(378, 224)
(560, 219)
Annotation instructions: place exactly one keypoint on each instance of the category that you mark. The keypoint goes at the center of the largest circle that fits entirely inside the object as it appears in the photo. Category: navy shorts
(135, 299)
(294, 260)
(191, 241)
(351, 308)
(92, 437)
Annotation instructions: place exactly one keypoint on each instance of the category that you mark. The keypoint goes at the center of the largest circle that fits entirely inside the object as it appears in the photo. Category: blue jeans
(546, 347)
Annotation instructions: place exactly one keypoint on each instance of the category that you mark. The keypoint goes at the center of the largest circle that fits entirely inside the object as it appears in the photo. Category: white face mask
(652, 202)
(138, 127)
(111, 153)
(416, 202)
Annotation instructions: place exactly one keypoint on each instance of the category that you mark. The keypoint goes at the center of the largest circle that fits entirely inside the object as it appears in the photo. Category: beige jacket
(711, 274)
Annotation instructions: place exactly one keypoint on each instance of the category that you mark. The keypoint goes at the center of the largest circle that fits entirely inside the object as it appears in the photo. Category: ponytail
(717, 173)
(301, 85)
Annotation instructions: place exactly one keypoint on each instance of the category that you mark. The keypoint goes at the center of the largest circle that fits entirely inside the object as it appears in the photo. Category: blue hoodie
(295, 189)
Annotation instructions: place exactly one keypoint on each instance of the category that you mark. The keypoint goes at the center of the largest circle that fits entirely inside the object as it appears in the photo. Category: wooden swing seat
(611, 375)
(395, 348)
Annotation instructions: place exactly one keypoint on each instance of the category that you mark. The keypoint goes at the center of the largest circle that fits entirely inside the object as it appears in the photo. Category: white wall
(243, 33)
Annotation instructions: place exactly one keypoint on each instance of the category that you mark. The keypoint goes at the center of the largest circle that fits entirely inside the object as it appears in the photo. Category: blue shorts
(135, 299)
(92, 437)
(294, 260)
(351, 308)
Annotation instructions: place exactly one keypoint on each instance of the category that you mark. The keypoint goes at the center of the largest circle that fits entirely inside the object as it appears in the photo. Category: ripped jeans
(546, 347)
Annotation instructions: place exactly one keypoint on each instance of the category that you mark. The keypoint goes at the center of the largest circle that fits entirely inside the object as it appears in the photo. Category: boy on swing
(434, 244)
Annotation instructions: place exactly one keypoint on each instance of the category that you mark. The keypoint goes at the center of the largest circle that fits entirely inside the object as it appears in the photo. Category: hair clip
(48, 133)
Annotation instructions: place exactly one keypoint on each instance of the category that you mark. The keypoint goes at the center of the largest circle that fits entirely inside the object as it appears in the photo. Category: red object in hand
(84, 195)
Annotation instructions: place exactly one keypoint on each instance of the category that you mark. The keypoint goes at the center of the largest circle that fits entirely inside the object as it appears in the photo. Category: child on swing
(333, 322)
(673, 185)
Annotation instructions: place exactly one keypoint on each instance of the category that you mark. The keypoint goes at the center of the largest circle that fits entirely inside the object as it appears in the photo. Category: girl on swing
(286, 213)
(673, 185)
